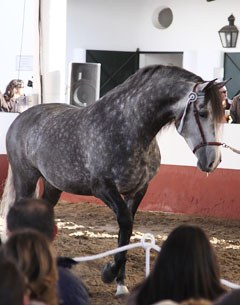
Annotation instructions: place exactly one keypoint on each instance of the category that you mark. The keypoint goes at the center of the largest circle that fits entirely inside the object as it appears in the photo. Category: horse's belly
(69, 183)
(79, 189)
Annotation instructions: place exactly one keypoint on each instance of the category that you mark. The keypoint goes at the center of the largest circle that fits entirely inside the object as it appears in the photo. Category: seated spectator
(13, 289)
(230, 298)
(235, 109)
(14, 90)
(38, 214)
(185, 268)
(32, 252)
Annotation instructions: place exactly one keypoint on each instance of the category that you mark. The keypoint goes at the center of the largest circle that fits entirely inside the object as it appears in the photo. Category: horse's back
(39, 120)
(39, 127)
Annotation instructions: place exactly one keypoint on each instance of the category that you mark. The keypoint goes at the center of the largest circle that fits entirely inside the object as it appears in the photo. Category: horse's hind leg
(25, 183)
(50, 193)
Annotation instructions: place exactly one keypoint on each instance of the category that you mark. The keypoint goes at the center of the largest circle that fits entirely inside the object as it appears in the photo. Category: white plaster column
(53, 50)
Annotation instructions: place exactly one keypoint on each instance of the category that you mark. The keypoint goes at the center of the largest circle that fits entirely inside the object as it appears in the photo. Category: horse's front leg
(117, 268)
(108, 193)
(132, 204)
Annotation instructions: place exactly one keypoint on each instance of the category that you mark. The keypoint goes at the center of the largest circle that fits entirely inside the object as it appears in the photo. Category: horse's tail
(7, 201)
(9, 194)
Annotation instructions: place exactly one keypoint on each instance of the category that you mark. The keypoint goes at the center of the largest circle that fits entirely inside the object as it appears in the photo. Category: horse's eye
(203, 114)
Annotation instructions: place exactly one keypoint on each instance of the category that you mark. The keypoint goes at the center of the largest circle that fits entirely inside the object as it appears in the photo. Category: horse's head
(200, 124)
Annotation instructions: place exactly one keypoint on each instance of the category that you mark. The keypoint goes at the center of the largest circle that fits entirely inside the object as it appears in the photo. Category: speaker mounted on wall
(84, 83)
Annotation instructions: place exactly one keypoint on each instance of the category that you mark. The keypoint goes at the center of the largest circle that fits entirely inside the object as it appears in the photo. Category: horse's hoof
(122, 291)
(107, 275)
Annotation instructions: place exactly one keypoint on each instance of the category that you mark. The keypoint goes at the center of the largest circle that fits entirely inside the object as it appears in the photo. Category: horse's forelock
(213, 95)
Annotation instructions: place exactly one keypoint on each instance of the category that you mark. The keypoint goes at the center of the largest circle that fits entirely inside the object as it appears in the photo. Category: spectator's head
(188, 262)
(32, 252)
(14, 89)
(13, 289)
(32, 213)
(185, 268)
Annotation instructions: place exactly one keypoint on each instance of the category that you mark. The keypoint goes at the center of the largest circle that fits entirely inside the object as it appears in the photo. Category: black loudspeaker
(84, 83)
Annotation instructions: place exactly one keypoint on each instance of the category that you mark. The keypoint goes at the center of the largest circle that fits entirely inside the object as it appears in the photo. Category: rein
(192, 97)
(237, 151)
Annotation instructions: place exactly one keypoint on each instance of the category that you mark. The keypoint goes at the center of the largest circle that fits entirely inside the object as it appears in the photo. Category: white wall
(127, 25)
(53, 50)
(17, 32)
(110, 25)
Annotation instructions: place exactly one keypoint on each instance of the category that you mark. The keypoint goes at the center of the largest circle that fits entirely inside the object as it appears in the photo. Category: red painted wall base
(180, 189)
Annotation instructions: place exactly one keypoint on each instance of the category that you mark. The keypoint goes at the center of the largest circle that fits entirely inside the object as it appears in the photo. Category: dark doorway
(232, 70)
(116, 66)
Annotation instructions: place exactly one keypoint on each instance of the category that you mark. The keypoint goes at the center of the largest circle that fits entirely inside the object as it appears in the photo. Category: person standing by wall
(3, 104)
(226, 102)
(235, 109)
(14, 90)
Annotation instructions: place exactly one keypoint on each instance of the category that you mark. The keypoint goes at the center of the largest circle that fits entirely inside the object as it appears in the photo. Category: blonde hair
(33, 253)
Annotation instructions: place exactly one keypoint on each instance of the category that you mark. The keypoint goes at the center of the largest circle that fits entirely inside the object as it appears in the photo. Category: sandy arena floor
(88, 229)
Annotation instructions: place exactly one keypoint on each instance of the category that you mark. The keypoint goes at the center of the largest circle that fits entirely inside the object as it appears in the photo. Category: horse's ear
(206, 85)
(223, 83)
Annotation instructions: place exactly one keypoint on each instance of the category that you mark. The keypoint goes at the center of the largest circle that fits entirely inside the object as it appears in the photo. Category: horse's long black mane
(213, 95)
(161, 72)
(171, 78)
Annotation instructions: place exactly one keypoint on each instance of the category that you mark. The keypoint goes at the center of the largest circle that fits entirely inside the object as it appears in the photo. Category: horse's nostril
(210, 166)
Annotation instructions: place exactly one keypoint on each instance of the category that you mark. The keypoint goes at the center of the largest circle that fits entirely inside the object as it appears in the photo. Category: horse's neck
(148, 115)
(145, 104)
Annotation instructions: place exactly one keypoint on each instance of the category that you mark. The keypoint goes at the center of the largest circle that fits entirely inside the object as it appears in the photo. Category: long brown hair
(14, 84)
(12, 283)
(33, 253)
(186, 267)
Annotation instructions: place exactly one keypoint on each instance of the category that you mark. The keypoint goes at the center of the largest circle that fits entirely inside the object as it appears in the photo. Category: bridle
(192, 98)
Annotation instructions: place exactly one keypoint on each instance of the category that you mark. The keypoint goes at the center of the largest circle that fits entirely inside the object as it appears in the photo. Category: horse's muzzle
(208, 165)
